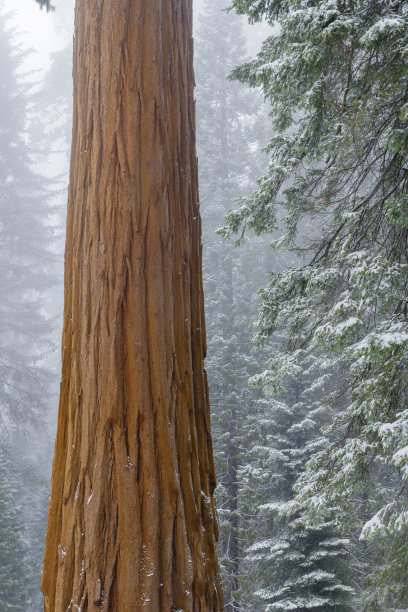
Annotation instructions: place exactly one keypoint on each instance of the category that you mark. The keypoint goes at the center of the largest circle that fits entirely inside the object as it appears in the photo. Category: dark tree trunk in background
(230, 544)
(131, 518)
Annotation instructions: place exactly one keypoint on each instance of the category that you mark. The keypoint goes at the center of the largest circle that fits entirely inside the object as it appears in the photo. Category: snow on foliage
(335, 194)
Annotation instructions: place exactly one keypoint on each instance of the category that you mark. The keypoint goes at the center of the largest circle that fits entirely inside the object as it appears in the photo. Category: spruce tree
(228, 127)
(228, 140)
(13, 552)
(25, 275)
(24, 257)
(336, 76)
(291, 564)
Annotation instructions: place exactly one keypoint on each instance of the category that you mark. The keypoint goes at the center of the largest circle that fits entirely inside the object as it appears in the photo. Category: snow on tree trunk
(131, 517)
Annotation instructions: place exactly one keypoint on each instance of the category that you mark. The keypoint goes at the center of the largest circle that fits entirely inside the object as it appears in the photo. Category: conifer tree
(336, 76)
(51, 131)
(24, 257)
(13, 552)
(291, 564)
(229, 154)
(25, 275)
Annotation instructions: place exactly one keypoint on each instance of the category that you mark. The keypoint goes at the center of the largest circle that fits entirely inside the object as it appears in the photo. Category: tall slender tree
(12, 548)
(24, 258)
(131, 518)
(289, 564)
(25, 385)
(229, 138)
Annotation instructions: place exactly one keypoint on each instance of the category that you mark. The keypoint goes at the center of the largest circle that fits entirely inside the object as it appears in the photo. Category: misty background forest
(303, 158)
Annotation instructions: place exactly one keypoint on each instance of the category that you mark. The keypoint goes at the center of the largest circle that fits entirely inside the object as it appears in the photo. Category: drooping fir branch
(46, 4)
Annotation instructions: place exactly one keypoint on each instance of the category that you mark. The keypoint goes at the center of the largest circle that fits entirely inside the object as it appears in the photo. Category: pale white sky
(36, 30)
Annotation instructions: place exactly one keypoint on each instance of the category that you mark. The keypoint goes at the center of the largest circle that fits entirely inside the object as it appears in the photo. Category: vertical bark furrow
(131, 517)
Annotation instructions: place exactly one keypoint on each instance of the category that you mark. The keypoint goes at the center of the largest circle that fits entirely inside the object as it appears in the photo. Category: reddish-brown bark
(131, 521)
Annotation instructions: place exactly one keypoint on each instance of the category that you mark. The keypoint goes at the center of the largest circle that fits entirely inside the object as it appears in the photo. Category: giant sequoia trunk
(131, 521)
